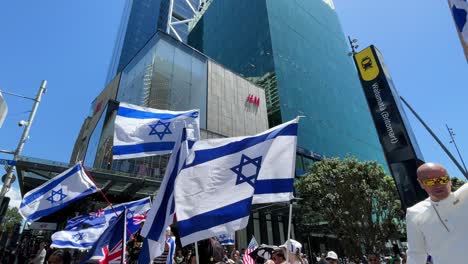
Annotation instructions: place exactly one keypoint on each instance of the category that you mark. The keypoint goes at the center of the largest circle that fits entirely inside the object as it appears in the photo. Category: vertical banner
(394, 131)
(459, 10)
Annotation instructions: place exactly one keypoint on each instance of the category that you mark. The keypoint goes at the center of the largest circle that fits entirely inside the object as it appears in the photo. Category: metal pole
(289, 231)
(6, 185)
(124, 239)
(169, 18)
(196, 253)
(452, 136)
(436, 138)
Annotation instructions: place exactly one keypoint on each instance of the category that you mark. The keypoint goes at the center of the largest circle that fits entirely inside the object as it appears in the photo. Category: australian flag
(110, 247)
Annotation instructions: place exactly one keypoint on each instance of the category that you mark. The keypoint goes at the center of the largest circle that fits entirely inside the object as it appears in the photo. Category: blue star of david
(52, 195)
(250, 179)
(130, 214)
(78, 236)
(160, 134)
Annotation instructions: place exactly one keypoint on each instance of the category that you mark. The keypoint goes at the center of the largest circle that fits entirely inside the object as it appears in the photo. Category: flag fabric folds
(82, 231)
(161, 214)
(227, 239)
(218, 168)
(141, 131)
(110, 247)
(57, 193)
(77, 239)
(459, 9)
(247, 259)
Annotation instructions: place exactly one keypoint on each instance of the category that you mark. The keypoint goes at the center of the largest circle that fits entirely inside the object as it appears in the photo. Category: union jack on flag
(140, 218)
(114, 256)
(109, 248)
(247, 259)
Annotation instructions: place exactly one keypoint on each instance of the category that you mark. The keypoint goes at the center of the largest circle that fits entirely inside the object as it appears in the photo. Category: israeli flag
(141, 131)
(78, 239)
(162, 211)
(57, 193)
(215, 188)
(82, 231)
(227, 239)
(459, 10)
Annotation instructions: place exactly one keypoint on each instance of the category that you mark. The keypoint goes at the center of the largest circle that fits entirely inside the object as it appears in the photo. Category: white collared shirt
(439, 229)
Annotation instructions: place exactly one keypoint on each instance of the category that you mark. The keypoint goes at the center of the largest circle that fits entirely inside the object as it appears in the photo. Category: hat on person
(293, 246)
(331, 255)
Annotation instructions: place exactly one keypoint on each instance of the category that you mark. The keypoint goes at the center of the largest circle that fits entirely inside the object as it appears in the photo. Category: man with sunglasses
(437, 226)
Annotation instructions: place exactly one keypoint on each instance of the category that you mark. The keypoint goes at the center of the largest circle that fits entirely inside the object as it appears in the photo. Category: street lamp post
(9, 176)
(452, 137)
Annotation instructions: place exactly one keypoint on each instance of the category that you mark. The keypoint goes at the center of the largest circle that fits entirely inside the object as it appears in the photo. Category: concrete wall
(228, 111)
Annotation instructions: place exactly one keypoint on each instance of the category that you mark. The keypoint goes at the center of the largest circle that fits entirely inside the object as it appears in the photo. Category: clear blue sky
(69, 43)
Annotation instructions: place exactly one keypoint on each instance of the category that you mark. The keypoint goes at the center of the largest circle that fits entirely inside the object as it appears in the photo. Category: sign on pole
(393, 129)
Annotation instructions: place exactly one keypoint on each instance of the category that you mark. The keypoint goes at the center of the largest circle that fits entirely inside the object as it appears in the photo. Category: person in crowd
(40, 255)
(403, 258)
(395, 260)
(437, 225)
(277, 257)
(332, 257)
(236, 257)
(293, 249)
(179, 258)
(59, 257)
(166, 254)
(373, 258)
(323, 259)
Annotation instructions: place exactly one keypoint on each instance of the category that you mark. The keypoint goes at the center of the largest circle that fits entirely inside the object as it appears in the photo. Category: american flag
(251, 247)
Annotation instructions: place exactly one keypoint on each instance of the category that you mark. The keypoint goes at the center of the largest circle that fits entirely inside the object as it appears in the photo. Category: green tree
(357, 201)
(457, 183)
(12, 217)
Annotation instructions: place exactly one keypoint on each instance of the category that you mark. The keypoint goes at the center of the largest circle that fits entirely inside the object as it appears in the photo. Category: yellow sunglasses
(431, 182)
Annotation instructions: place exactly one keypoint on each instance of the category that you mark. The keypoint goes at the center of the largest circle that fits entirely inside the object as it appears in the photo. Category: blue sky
(69, 43)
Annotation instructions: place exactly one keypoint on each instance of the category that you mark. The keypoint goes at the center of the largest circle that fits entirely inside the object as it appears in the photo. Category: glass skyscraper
(297, 52)
(140, 21)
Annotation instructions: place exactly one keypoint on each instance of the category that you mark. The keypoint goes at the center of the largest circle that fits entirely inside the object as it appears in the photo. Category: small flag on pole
(459, 10)
(57, 193)
(247, 259)
(141, 132)
(111, 246)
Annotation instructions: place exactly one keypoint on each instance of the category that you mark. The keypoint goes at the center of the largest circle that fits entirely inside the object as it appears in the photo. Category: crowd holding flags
(258, 169)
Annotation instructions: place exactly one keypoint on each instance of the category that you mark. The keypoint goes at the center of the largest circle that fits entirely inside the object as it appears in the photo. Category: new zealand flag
(109, 247)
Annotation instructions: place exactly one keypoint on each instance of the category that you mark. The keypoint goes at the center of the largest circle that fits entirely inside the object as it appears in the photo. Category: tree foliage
(357, 200)
(12, 217)
(457, 183)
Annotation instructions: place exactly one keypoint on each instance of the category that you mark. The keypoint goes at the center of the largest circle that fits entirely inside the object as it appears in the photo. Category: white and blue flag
(227, 239)
(82, 231)
(141, 131)
(161, 214)
(78, 239)
(215, 189)
(459, 9)
(57, 193)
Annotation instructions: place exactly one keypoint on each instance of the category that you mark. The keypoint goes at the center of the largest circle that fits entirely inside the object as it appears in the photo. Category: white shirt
(439, 229)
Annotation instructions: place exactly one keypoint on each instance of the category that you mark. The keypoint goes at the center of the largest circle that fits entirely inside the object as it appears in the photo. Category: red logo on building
(253, 99)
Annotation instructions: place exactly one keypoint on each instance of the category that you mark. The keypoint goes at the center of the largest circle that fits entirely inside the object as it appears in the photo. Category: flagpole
(289, 231)
(124, 240)
(196, 252)
(104, 195)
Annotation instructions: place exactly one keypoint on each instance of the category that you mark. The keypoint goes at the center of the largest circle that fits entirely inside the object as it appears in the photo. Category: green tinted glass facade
(297, 52)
